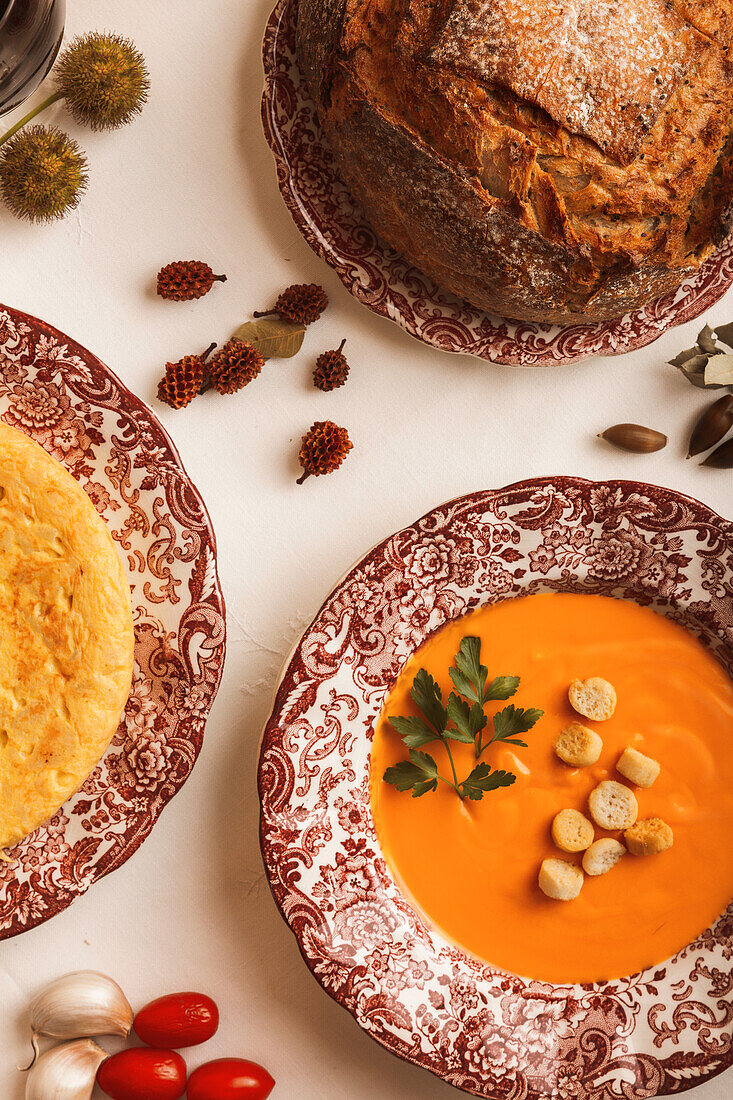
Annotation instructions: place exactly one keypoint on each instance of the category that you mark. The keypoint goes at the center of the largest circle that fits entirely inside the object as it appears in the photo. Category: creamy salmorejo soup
(480, 769)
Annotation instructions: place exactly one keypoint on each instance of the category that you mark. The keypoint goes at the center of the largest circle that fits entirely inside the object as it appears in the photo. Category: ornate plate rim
(610, 335)
(135, 842)
(383, 1038)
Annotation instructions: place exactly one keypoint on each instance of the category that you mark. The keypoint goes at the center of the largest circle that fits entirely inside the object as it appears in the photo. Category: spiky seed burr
(104, 80)
(43, 173)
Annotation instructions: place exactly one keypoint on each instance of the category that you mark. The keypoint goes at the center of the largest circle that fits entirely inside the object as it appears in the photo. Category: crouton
(639, 769)
(572, 831)
(647, 838)
(560, 880)
(612, 805)
(594, 698)
(579, 746)
(602, 856)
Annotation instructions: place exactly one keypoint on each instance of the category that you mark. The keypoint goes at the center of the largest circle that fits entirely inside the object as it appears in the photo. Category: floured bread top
(601, 68)
(66, 637)
(591, 139)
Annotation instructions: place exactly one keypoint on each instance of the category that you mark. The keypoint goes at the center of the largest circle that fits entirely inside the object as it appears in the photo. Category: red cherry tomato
(143, 1074)
(230, 1079)
(178, 1020)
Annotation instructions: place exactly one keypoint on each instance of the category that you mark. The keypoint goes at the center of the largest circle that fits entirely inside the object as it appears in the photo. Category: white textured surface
(194, 178)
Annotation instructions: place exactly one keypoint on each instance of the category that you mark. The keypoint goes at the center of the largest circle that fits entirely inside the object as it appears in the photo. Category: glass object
(30, 37)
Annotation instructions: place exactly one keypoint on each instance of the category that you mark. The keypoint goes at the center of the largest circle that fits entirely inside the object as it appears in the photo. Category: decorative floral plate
(75, 407)
(482, 1029)
(336, 229)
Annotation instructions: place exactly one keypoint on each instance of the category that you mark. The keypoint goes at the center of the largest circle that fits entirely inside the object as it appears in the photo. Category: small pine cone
(235, 366)
(183, 380)
(332, 369)
(300, 304)
(324, 448)
(184, 280)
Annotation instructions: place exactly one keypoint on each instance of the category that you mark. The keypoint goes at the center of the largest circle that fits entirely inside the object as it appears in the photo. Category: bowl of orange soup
(420, 901)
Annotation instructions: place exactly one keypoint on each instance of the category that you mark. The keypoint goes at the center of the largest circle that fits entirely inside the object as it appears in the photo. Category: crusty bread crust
(565, 174)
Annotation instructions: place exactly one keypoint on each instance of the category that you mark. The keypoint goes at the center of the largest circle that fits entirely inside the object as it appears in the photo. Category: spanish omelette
(66, 636)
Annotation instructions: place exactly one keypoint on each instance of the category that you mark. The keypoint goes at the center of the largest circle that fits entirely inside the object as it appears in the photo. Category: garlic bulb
(79, 1005)
(66, 1072)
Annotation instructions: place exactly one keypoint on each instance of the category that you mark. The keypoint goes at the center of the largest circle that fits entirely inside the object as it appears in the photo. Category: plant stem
(452, 767)
(53, 98)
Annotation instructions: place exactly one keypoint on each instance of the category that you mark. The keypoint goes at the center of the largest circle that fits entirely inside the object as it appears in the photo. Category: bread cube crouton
(602, 856)
(572, 831)
(594, 698)
(579, 746)
(647, 838)
(560, 880)
(612, 805)
(639, 769)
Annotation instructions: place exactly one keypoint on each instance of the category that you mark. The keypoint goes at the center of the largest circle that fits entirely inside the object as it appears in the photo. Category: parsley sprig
(462, 719)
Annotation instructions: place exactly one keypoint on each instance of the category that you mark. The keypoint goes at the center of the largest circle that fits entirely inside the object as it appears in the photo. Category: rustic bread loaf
(551, 160)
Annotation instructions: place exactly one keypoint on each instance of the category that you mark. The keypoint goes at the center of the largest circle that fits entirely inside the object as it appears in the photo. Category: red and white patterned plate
(75, 407)
(336, 229)
(482, 1029)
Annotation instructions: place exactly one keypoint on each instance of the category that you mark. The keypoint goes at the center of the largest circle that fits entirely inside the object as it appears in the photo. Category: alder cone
(324, 447)
(185, 280)
(182, 381)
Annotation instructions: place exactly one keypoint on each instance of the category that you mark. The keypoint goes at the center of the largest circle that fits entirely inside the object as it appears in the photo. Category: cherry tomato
(178, 1020)
(143, 1074)
(230, 1079)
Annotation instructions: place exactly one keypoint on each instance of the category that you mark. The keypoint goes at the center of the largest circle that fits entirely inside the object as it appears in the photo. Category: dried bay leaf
(725, 333)
(276, 339)
(706, 341)
(685, 357)
(719, 370)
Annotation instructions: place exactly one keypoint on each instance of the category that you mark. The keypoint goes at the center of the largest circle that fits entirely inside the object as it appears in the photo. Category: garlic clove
(80, 1005)
(65, 1072)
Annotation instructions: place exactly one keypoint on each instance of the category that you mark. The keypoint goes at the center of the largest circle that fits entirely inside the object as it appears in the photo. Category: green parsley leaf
(501, 687)
(469, 720)
(469, 675)
(465, 713)
(514, 720)
(414, 731)
(427, 696)
(462, 683)
(483, 779)
(419, 774)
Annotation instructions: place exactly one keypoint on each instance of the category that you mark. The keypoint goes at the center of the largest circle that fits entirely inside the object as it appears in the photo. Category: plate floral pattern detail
(336, 229)
(74, 406)
(486, 1031)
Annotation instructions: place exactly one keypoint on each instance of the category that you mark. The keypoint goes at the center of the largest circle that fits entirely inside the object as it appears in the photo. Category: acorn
(635, 438)
(714, 423)
(722, 458)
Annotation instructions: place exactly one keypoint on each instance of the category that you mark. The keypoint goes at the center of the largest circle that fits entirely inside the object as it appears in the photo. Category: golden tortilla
(66, 637)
